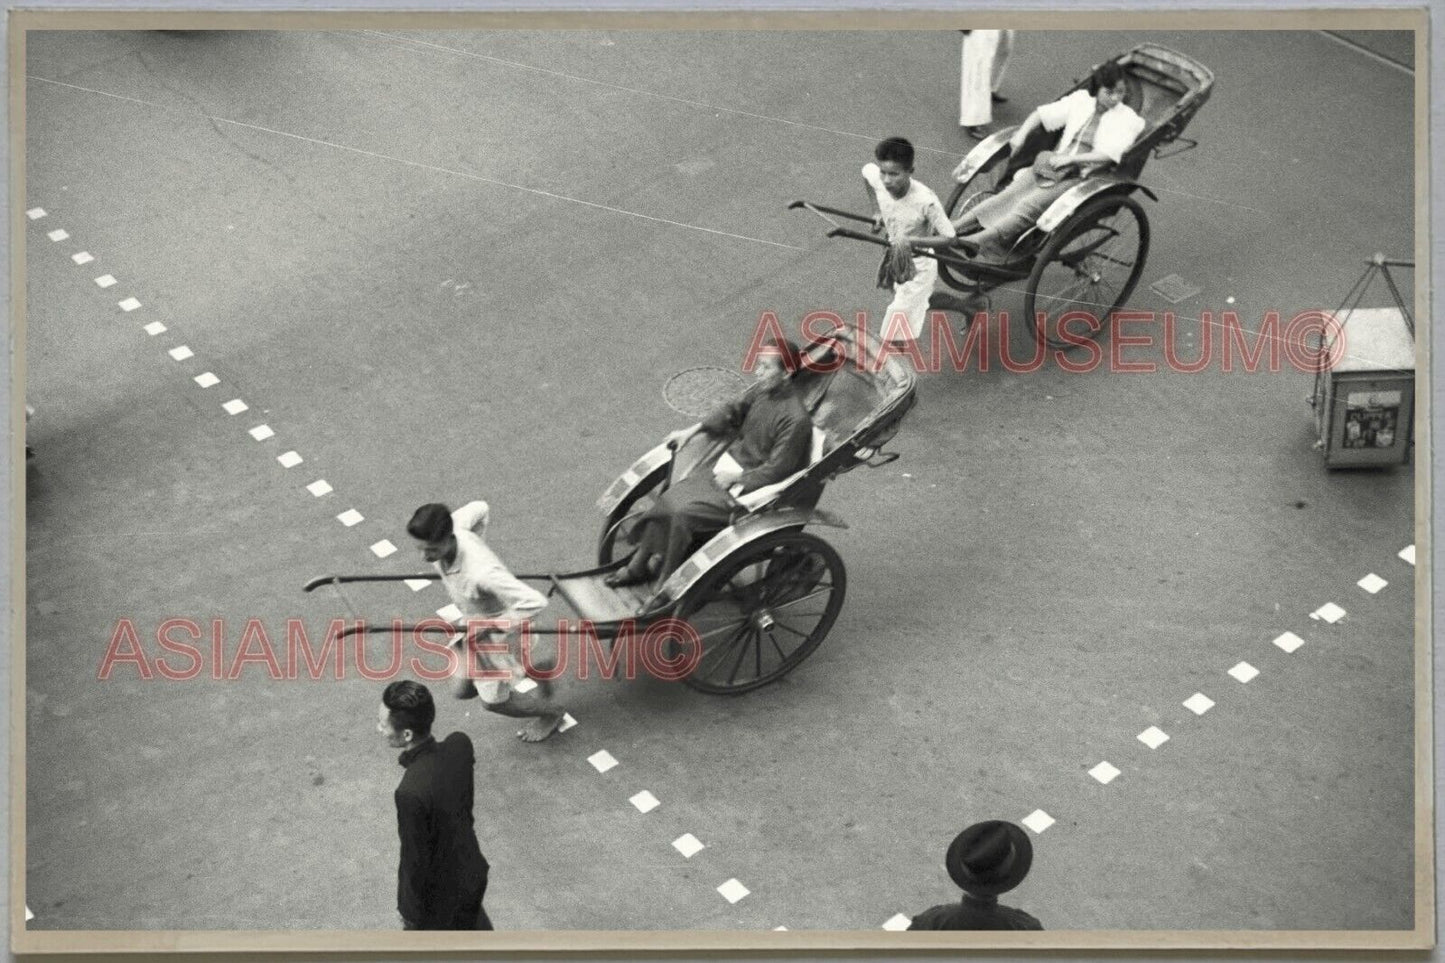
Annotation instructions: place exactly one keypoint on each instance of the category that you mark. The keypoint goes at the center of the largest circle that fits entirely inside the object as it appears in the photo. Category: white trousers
(985, 57)
(910, 300)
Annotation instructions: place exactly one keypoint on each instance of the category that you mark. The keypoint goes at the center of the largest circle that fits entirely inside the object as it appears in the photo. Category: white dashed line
(1038, 821)
(1330, 612)
(449, 612)
(154, 328)
(1372, 583)
(525, 686)
(688, 844)
(1104, 772)
(645, 801)
(105, 281)
(289, 460)
(1199, 703)
(206, 379)
(1153, 737)
(181, 353)
(417, 584)
(567, 722)
(84, 257)
(262, 432)
(319, 487)
(350, 517)
(602, 760)
(1244, 672)
(129, 304)
(1408, 554)
(732, 890)
(1289, 641)
(383, 548)
(58, 234)
(235, 406)
(35, 214)
(28, 915)
(780, 929)
(898, 922)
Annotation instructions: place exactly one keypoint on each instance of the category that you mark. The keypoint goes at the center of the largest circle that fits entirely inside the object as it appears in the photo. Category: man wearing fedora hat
(986, 859)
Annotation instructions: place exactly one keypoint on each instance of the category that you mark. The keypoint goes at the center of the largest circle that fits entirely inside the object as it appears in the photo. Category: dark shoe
(966, 306)
(998, 98)
(977, 133)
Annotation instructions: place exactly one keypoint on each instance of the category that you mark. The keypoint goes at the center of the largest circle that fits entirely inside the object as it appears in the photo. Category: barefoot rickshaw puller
(483, 588)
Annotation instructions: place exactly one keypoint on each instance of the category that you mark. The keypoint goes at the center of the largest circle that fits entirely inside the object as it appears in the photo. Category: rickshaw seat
(761, 496)
(596, 601)
(838, 402)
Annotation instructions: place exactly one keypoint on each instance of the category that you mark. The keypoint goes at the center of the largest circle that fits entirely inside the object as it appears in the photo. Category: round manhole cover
(695, 392)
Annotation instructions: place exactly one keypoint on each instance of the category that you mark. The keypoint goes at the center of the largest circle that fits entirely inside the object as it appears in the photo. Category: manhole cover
(1174, 288)
(695, 392)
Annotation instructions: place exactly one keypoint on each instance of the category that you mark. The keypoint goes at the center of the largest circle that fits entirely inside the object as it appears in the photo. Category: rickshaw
(1084, 255)
(762, 593)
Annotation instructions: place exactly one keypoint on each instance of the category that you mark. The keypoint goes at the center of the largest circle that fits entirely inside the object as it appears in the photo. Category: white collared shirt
(477, 581)
(1118, 128)
(918, 213)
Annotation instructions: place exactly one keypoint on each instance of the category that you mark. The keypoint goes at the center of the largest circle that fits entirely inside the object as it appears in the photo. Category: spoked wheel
(762, 611)
(619, 532)
(1087, 270)
(965, 197)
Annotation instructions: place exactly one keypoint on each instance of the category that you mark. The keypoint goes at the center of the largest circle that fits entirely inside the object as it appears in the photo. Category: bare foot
(540, 728)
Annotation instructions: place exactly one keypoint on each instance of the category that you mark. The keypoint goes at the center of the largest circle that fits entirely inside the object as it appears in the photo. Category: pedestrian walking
(985, 57)
(442, 875)
(986, 859)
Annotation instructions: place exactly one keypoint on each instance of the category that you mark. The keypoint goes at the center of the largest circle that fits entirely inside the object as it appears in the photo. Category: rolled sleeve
(472, 517)
(1056, 115)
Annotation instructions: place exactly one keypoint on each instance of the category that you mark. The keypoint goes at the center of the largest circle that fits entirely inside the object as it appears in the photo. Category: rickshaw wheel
(1087, 269)
(763, 610)
(623, 520)
(965, 197)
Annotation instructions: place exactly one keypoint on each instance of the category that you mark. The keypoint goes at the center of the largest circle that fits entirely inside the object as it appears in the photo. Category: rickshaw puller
(482, 587)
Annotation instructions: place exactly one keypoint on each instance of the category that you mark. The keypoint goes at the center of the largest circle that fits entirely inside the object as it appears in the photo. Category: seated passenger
(1098, 127)
(771, 439)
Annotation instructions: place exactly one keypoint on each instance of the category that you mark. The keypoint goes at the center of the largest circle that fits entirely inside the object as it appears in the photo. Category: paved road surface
(446, 266)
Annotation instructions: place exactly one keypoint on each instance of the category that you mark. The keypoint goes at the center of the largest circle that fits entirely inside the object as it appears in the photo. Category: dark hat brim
(990, 884)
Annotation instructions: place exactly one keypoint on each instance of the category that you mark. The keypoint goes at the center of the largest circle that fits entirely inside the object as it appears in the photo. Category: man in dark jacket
(443, 874)
(770, 436)
(986, 859)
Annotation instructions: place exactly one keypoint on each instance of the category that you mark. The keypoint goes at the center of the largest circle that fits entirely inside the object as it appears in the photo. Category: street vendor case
(1367, 413)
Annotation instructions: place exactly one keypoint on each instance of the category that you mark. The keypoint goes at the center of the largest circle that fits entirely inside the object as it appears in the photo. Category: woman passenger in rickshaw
(1098, 127)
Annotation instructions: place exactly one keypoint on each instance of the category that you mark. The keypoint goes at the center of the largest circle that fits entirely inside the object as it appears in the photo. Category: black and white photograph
(724, 480)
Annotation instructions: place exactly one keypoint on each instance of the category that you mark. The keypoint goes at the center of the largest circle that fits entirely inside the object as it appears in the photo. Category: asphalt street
(446, 266)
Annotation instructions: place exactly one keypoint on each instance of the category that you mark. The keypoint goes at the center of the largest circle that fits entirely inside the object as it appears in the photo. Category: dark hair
(791, 356)
(895, 149)
(411, 706)
(430, 523)
(1105, 77)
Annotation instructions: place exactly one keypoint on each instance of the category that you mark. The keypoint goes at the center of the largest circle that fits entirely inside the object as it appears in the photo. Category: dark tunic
(772, 438)
(443, 875)
(974, 913)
